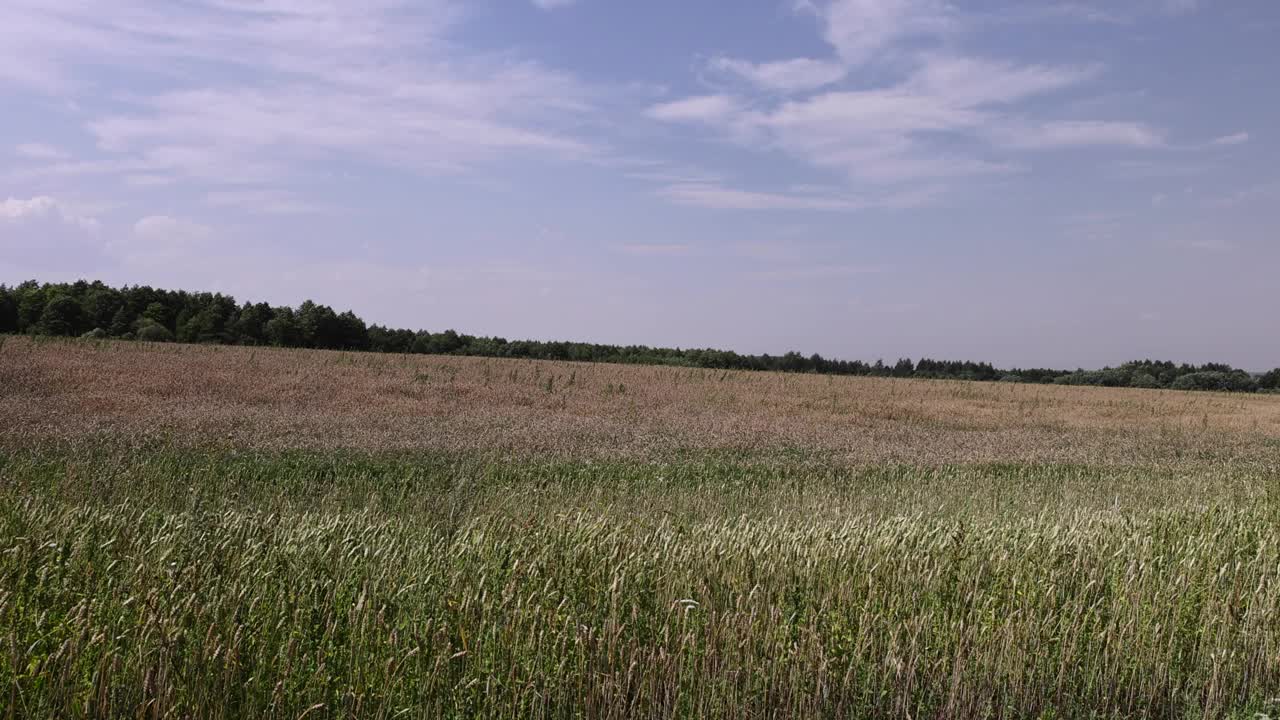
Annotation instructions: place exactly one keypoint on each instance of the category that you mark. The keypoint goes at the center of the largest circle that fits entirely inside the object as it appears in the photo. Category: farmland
(216, 531)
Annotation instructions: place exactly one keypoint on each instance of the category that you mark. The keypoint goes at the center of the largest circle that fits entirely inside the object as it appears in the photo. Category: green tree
(318, 326)
(152, 331)
(99, 305)
(31, 301)
(8, 311)
(1234, 381)
(903, 368)
(446, 342)
(1144, 380)
(251, 325)
(159, 314)
(207, 319)
(282, 329)
(353, 333)
(122, 323)
(61, 316)
(1270, 381)
(200, 327)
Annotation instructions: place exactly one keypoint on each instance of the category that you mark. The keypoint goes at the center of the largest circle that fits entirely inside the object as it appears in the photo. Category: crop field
(234, 532)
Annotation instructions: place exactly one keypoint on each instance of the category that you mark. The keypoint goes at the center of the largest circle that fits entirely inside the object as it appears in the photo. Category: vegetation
(221, 532)
(96, 310)
(532, 592)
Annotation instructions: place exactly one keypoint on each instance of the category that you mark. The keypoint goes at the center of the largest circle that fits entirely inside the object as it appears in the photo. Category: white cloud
(859, 30)
(668, 174)
(266, 202)
(252, 92)
(1152, 169)
(39, 151)
(947, 114)
(147, 180)
(1262, 193)
(15, 209)
(163, 241)
(702, 108)
(890, 135)
(1069, 11)
(904, 131)
(711, 195)
(167, 229)
(819, 272)
(968, 81)
(552, 4)
(46, 237)
(717, 196)
(42, 207)
(1210, 244)
(1239, 138)
(1179, 7)
(656, 249)
(1069, 134)
(1096, 11)
(793, 75)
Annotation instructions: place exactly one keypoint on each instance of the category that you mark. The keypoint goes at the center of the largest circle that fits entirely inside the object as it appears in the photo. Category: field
(206, 531)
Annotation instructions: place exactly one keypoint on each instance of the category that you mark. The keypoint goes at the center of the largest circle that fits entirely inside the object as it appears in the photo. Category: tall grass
(192, 532)
(523, 590)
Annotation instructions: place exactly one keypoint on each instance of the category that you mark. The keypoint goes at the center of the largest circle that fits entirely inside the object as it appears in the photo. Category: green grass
(160, 582)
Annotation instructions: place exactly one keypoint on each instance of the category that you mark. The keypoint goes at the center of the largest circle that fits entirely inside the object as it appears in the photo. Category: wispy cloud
(1096, 11)
(45, 207)
(718, 196)
(163, 228)
(966, 81)
(656, 249)
(891, 135)
(1056, 12)
(1074, 134)
(1179, 7)
(1209, 244)
(670, 174)
(251, 92)
(40, 151)
(702, 108)
(820, 272)
(16, 209)
(1239, 138)
(1152, 169)
(552, 4)
(264, 201)
(163, 240)
(793, 75)
(947, 115)
(860, 30)
(1268, 192)
(714, 195)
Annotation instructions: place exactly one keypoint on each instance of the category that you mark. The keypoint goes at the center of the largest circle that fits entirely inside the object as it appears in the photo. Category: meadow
(217, 531)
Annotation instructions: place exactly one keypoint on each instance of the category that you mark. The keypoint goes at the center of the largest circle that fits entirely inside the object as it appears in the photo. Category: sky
(1063, 184)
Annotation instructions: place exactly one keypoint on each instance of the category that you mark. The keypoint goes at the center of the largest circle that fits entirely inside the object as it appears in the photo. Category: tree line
(95, 310)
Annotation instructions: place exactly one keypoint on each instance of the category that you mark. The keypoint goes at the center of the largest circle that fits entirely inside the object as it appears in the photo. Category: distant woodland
(95, 310)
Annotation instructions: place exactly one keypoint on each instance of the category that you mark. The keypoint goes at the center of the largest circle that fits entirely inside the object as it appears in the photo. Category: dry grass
(274, 399)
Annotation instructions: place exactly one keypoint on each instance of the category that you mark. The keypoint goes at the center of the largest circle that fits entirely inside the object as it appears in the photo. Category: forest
(96, 310)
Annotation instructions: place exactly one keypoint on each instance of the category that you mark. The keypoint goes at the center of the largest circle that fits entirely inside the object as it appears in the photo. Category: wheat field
(222, 532)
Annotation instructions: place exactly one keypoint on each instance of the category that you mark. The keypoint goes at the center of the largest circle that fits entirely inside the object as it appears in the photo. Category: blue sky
(1031, 183)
